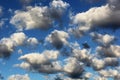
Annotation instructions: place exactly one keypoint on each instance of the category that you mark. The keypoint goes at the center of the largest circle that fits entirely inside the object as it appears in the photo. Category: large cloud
(39, 17)
(107, 15)
(7, 45)
(43, 63)
(19, 77)
(58, 38)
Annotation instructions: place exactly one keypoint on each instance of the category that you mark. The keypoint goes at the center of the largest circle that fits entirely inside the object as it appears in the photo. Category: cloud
(87, 75)
(105, 16)
(73, 68)
(104, 40)
(108, 73)
(100, 78)
(57, 9)
(1, 10)
(110, 51)
(42, 63)
(97, 64)
(82, 55)
(1, 23)
(57, 38)
(111, 61)
(32, 42)
(7, 45)
(39, 17)
(19, 77)
(18, 38)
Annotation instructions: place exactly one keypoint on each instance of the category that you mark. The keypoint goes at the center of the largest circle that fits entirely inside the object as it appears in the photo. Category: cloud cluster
(104, 40)
(41, 62)
(108, 73)
(57, 38)
(7, 45)
(73, 68)
(39, 17)
(19, 77)
(107, 15)
(110, 51)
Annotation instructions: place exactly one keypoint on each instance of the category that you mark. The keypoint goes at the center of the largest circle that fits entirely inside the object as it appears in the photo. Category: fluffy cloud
(73, 68)
(7, 45)
(57, 38)
(32, 42)
(57, 8)
(97, 64)
(110, 51)
(108, 73)
(39, 17)
(43, 63)
(19, 77)
(82, 55)
(98, 16)
(105, 40)
(111, 61)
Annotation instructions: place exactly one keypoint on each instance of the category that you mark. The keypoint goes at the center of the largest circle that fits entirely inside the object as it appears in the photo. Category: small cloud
(19, 77)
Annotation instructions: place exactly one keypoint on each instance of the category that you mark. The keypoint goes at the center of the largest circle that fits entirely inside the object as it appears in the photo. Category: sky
(59, 39)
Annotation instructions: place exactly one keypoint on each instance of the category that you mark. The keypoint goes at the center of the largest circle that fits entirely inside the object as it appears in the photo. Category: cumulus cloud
(43, 63)
(110, 51)
(57, 8)
(107, 15)
(104, 40)
(32, 42)
(73, 68)
(39, 17)
(7, 45)
(97, 64)
(111, 61)
(19, 77)
(58, 38)
(82, 55)
(108, 73)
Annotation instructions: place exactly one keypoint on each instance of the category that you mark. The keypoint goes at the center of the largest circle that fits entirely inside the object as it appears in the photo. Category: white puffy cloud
(19, 77)
(18, 38)
(105, 40)
(39, 17)
(57, 38)
(98, 17)
(32, 42)
(110, 51)
(108, 73)
(87, 75)
(57, 8)
(44, 62)
(100, 78)
(73, 67)
(97, 64)
(36, 17)
(7, 45)
(111, 61)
